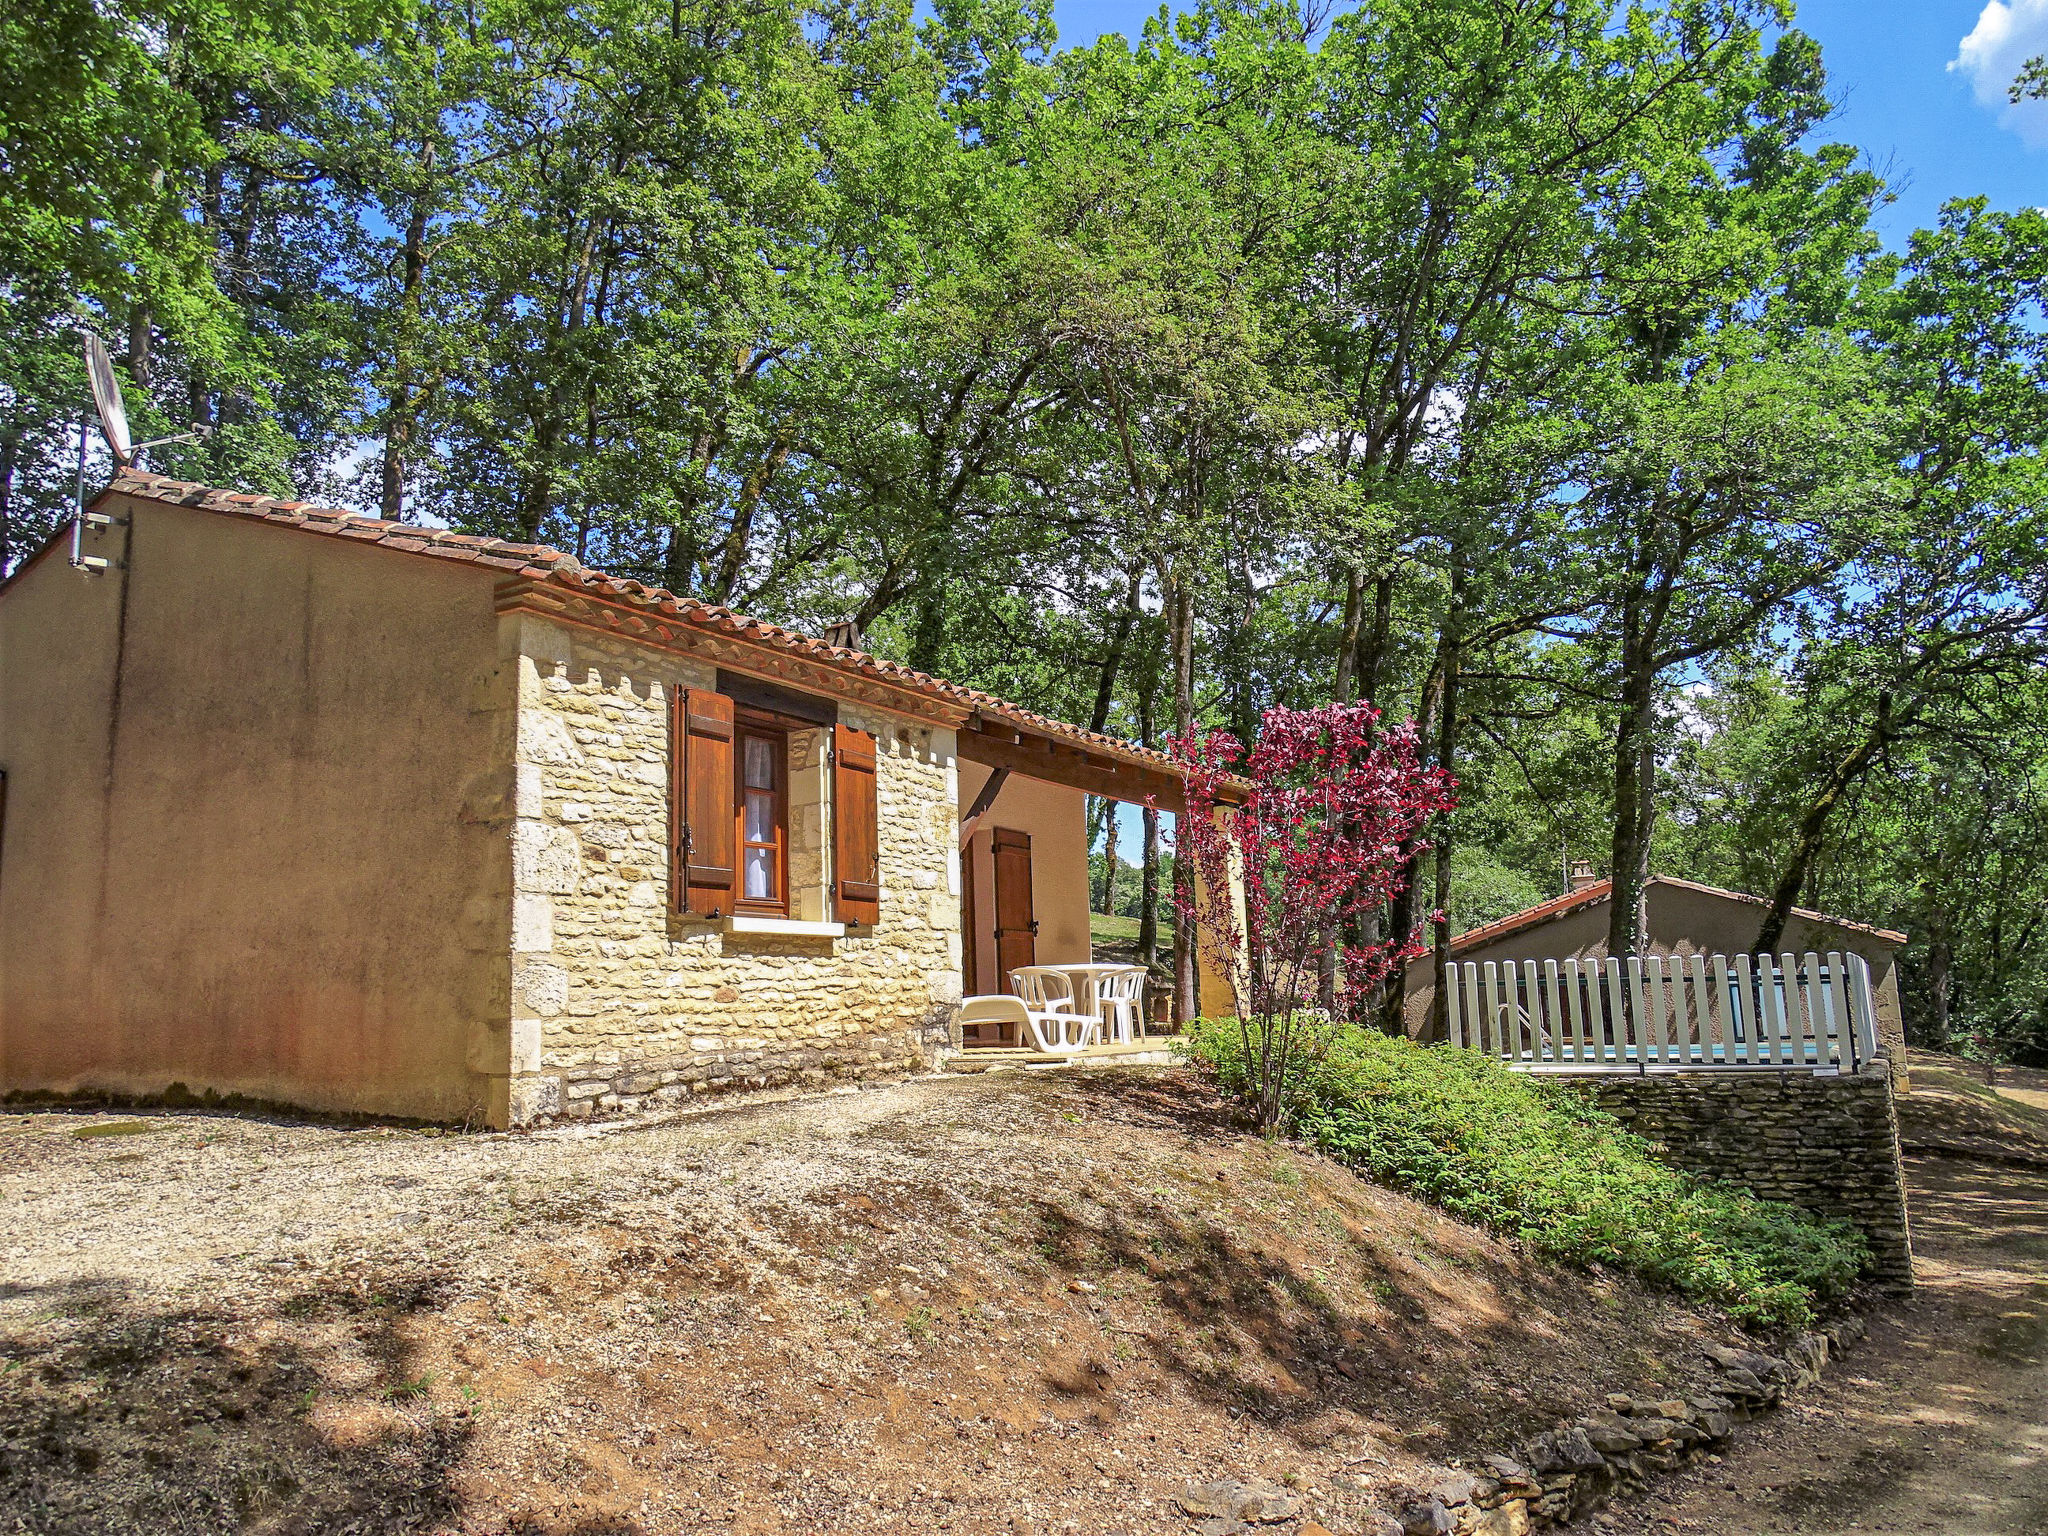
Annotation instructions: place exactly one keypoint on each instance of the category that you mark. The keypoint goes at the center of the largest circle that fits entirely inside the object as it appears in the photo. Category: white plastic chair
(1048, 998)
(1120, 994)
(1043, 989)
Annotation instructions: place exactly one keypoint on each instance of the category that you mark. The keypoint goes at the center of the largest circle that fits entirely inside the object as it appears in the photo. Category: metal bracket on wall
(98, 521)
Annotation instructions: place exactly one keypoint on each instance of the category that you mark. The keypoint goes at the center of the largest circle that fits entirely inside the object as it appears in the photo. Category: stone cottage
(359, 816)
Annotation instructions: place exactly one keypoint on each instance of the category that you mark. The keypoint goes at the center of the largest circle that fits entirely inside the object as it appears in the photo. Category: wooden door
(1016, 929)
(985, 1032)
(970, 925)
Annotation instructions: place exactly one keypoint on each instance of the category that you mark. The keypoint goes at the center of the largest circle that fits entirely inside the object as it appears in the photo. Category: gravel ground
(1028, 1302)
(1937, 1425)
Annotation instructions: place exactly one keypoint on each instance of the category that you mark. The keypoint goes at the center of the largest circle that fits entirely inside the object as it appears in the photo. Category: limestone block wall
(1828, 1144)
(622, 1005)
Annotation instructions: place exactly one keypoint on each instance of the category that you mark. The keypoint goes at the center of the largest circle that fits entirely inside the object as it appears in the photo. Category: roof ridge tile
(543, 563)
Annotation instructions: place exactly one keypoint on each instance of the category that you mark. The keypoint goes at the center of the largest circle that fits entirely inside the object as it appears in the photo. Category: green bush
(1533, 1159)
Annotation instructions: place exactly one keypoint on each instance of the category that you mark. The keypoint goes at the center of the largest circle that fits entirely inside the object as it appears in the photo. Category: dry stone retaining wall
(1827, 1144)
(1563, 1475)
(1568, 1472)
(622, 1005)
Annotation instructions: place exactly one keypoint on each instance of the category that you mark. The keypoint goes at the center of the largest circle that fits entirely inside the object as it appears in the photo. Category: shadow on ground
(1461, 1337)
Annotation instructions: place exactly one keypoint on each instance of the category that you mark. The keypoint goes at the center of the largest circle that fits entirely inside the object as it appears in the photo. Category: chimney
(1582, 876)
(844, 633)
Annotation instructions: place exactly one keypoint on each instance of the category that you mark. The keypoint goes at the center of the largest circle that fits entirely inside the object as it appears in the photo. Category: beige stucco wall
(257, 828)
(619, 1003)
(1056, 817)
(1577, 935)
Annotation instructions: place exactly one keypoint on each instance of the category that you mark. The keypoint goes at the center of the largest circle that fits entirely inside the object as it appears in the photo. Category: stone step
(1146, 1053)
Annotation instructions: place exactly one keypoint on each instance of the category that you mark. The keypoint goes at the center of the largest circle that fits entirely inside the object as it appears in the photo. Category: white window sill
(788, 928)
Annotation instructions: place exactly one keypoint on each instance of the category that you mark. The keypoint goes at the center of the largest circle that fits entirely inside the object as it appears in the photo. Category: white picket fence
(1673, 1013)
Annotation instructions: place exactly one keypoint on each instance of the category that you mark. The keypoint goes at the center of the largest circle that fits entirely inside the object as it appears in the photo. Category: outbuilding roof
(545, 566)
(1530, 917)
(1603, 890)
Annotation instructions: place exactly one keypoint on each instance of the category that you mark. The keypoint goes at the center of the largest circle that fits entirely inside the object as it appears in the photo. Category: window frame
(749, 724)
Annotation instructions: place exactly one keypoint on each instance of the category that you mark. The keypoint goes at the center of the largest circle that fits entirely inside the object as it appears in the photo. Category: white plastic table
(1086, 980)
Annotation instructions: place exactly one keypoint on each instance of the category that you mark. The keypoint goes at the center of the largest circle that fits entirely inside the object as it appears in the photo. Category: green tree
(1950, 592)
(157, 189)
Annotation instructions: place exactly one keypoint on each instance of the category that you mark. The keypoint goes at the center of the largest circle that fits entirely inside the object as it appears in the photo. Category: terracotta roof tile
(1602, 890)
(551, 565)
(1828, 919)
(1529, 917)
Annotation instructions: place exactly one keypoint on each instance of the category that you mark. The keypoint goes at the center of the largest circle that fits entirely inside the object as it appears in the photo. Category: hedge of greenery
(1532, 1159)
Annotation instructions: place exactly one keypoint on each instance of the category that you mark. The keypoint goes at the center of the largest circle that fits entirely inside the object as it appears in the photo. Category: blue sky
(1935, 131)
(1922, 85)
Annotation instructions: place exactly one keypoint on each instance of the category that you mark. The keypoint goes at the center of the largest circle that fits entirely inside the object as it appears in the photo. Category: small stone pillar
(1219, 988)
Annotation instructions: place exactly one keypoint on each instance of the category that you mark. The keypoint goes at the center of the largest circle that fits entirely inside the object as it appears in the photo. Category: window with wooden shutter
(856, 842)
(761, 798)
(701, 813)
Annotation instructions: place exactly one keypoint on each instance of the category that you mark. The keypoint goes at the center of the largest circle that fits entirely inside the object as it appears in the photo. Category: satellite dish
(106, 399)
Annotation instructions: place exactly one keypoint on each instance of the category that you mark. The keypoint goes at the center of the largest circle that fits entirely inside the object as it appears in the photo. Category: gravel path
(1937, 1425)
(1022, 1305)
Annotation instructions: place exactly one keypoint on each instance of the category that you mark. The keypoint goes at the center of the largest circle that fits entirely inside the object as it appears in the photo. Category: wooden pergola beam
(983, 802)
(1076, 767)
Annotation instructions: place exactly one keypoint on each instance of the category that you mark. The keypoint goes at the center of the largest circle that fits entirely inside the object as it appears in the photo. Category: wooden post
(1866, 1013)
(1497, 1030)
(1586, 1041)
(1703, 1009)
(1553, 1011)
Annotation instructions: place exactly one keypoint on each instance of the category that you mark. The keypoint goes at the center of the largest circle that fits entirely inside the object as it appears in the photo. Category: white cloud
(2005, 37)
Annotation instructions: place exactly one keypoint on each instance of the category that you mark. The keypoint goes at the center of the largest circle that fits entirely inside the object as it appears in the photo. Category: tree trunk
(1113, 657)
(536, 495)
(679, 563)
(400, 401)
(1940, 971)
(139, 338)
(1806, 845)
(1634, 794)
(1183, 609)
(679, 570)
(1095, 811)
(1403, 910)
(140, 318)
(1936, 912)
(1109, 841)
(1440, 933)
(10, 455)
(732, 561)
(1347, 640)
(1375, 638)
(928, 634)
(1148, 851)
(1343, 690)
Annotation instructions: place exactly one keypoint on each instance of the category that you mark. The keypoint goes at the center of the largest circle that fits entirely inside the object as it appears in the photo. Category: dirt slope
(1952, 1110)
(1028, 1302)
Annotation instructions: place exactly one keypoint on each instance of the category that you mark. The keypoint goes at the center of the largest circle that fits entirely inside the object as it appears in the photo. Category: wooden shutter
(701, 808)
(856, 843)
